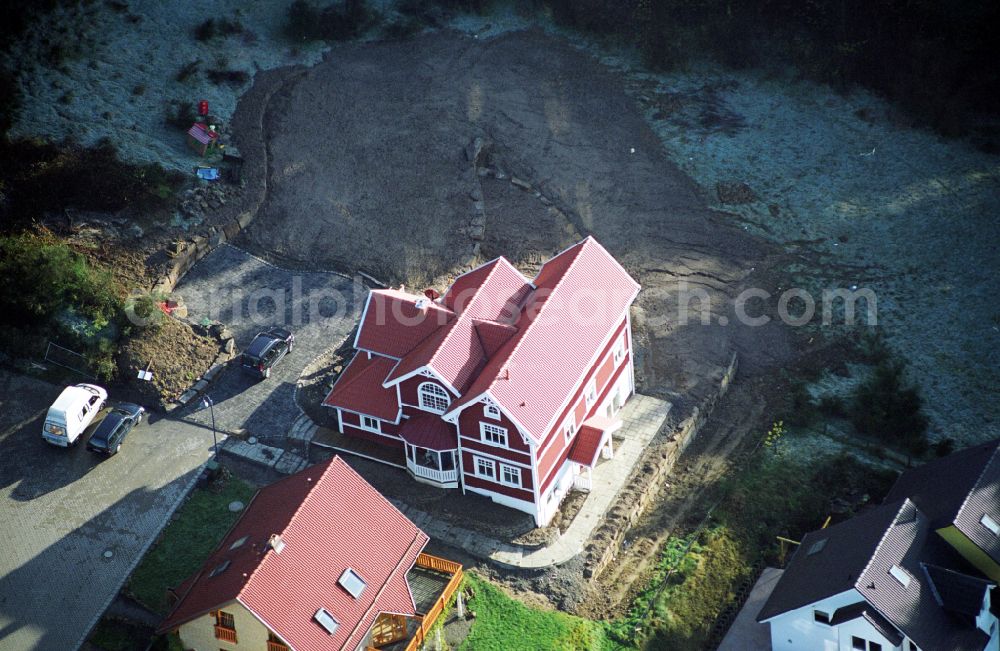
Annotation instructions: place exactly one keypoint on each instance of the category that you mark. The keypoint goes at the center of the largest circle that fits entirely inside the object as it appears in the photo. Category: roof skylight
(990, 524)
(817, 547)
(239, 543)
(219, 569)
(900, 575)
(351, 581)
(326, 620)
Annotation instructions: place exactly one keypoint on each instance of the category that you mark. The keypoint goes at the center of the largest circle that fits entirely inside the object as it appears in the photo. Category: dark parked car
(111, 427)
(266, 350)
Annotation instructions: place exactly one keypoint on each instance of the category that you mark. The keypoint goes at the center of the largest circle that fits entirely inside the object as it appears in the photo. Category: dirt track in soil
(368, 171)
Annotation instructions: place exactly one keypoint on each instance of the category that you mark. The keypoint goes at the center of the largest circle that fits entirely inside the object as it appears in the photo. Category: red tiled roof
(329, 519)
(359, 388)
(493, 335)
(393, 326)
(429, 431)
(201, 134)
(587, 444)
(455, 352)
(581, 294)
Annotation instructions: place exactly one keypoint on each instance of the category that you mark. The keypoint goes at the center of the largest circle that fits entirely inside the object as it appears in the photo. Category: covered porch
(593, 442)
(432, 581)
(431, 450)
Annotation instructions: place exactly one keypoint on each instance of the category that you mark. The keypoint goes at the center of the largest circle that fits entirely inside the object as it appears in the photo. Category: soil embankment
(371, 169)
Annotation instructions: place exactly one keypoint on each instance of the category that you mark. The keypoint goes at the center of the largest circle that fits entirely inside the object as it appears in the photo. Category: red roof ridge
(524, 333)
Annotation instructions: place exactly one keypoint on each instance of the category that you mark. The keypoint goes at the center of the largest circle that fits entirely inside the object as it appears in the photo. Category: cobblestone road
(248, 295)
(62, 509)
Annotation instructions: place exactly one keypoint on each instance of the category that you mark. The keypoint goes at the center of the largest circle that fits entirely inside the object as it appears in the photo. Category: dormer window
(433, 398)
(990, 524)
(492, 411)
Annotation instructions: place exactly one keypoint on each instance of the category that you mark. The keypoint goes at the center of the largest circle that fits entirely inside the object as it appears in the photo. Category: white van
(72, 411)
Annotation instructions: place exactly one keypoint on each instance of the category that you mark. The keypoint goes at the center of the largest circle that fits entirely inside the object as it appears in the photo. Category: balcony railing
(225, 634)
(440, 564)
(435, 475)
(276, 646)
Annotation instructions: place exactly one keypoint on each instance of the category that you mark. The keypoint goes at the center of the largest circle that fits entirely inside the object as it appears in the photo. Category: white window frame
(569, 429)
(590, 393)
(500, 432)
(430, 391)
(514, 471)
(991, 525)
(480, 462)
(619, 353)
(368, 428)
(491, 411)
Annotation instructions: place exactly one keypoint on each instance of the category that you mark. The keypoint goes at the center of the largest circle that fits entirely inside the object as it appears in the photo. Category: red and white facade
(504, 386)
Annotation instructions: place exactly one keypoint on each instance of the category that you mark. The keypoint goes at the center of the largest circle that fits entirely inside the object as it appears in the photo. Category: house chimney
(421, 304)
(276, 543)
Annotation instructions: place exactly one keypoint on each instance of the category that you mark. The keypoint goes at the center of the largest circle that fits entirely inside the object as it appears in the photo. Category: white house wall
(797, 630)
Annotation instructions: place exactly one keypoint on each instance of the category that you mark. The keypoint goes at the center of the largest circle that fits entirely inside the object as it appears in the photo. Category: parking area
(249, 295)
(73, 525)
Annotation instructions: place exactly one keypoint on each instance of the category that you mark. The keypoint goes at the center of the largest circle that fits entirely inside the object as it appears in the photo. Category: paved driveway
(247, 294)
(61, 509)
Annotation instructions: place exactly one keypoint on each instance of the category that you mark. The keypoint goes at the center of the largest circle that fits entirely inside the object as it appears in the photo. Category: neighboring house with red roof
(504, 386)
(915, 574)
(318, 561)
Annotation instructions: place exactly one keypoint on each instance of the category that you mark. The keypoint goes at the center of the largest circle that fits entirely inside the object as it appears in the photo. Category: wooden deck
(433, 581)
(441, 566)
(331, 439)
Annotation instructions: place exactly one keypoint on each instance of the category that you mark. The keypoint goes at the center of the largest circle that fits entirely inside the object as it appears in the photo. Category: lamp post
(207, 402)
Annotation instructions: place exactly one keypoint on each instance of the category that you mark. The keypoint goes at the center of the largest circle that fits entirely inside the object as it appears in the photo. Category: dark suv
(266, 350)
(111, 427)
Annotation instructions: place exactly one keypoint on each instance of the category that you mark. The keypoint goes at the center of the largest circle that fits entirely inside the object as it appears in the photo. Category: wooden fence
(440, 565)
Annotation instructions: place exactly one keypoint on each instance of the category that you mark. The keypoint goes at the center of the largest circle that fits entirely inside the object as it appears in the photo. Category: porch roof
(429, 431)
(592, 435)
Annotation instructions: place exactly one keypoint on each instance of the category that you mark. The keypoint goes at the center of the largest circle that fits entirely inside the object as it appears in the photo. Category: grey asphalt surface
(248, 295)
(61, 509)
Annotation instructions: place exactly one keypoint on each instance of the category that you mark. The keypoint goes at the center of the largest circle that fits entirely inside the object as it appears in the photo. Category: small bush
(187, 70)
(212, 28)
(180, 114)
(944, 447)
(41, 276)
(230, 77)
(886, 407)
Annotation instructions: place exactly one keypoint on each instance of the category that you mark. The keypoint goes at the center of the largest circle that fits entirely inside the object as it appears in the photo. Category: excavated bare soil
(369, 170)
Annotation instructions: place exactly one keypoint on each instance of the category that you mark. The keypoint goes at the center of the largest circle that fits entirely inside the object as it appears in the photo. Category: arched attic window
(433, 398)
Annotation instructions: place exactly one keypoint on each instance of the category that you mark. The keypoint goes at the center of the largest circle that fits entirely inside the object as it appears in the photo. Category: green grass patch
(186, 542)
(699, 576)
(503, 623)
